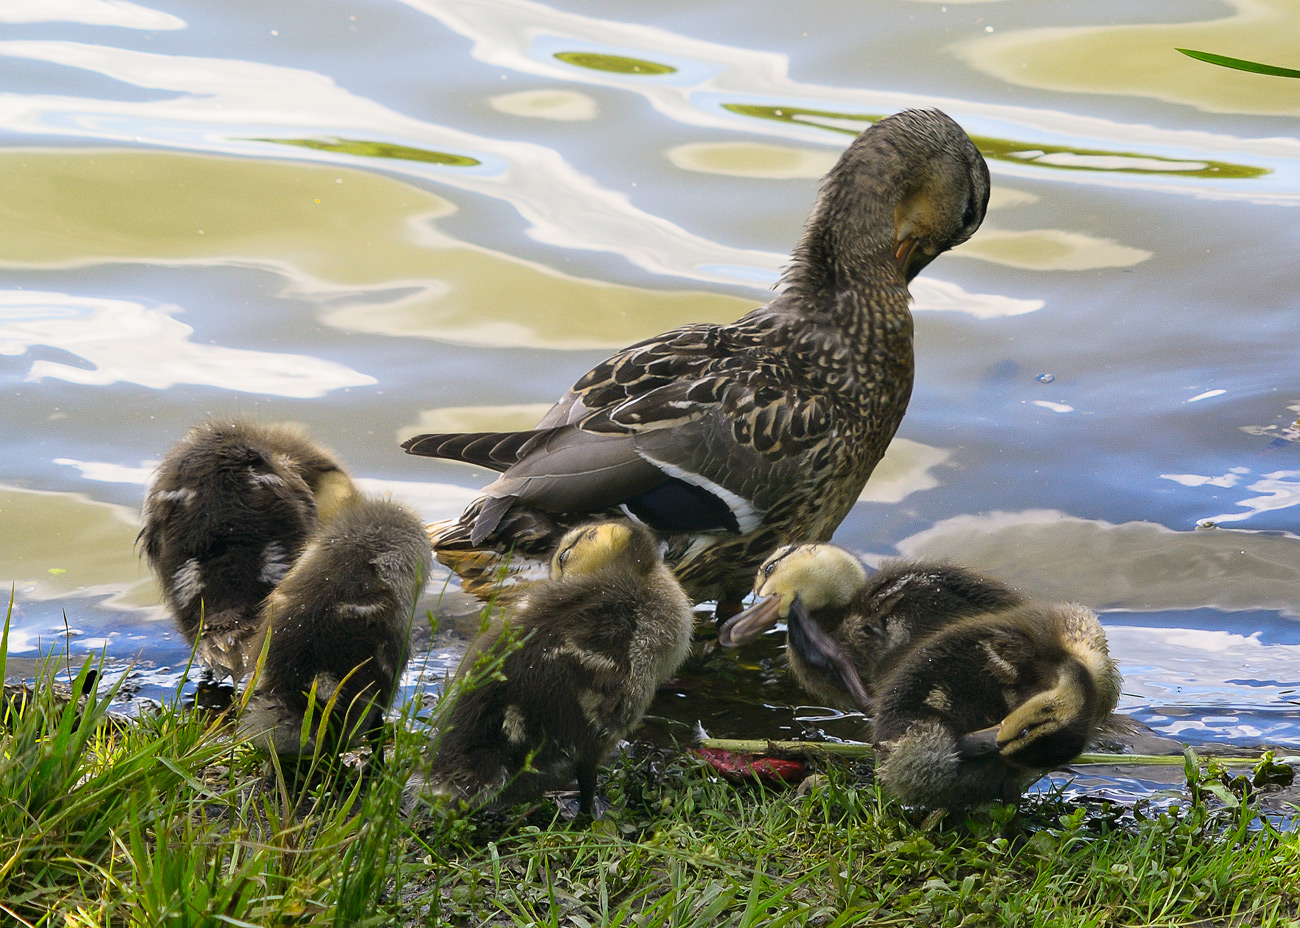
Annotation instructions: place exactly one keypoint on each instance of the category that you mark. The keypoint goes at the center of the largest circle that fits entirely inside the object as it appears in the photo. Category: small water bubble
(1207, 523)
(1045, 378)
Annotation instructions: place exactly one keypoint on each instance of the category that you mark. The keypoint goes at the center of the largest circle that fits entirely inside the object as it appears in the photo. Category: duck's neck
(847, 251)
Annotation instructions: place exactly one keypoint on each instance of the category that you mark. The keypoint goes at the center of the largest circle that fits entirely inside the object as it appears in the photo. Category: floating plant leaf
(1240, 64)
(1048, 156)
(367, 149)
(616, 63)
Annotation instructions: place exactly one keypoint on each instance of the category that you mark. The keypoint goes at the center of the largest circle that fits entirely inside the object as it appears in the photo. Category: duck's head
(589, 548)
(819, 576)
(1049, 728)
(906, 190)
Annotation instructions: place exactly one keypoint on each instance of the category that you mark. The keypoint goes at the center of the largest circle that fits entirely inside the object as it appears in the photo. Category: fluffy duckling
(980, 709)
(595, 642)
(730, 440)
(869, 620)
(340, 622)
(227, 513)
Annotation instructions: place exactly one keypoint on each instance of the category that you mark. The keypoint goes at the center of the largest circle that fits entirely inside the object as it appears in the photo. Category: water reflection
(1139, 566)
(125, 342)
(716, 85)
(471, 201)
(120, 13)
(562, 105)
(1140, 59)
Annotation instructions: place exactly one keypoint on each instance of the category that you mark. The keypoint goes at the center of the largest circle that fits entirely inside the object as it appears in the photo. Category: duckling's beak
(979, 743)
(744, 627)
(818, 649)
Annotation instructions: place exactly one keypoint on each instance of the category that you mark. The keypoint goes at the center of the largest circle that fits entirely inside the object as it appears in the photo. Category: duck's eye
(968, 217)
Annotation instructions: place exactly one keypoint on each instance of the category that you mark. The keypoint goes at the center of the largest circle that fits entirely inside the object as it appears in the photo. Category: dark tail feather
(493, 450)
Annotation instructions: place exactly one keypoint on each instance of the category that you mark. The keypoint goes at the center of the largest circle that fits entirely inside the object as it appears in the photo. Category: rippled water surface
(434, 214)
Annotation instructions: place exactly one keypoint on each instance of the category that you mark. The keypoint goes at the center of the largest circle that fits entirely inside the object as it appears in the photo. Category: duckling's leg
(587, 788)
(726, 608)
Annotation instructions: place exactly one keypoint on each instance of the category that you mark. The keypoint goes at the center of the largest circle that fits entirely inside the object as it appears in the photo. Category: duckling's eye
(563, 557)
(768, 568)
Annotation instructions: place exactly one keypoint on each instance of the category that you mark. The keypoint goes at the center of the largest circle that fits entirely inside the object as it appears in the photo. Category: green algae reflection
(1059, 157)
(614, 63)
(364, 149)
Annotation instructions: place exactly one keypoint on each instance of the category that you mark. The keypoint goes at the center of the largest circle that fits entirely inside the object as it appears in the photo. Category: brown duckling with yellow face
(226, 515)
(978, 710)
(596, 641)
(339, 625)
(849, 616)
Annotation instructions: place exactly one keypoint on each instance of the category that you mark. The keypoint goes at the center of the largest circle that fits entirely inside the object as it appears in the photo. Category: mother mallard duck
(729, 440)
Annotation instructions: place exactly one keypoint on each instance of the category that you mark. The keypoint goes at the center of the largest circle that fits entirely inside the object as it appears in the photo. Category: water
(435, 214)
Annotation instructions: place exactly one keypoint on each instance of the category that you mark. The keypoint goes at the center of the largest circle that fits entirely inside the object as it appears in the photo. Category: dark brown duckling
(596, 641)
(869, 619)
(339, 622)
(982, 708)
(730, 440)
(227, 513)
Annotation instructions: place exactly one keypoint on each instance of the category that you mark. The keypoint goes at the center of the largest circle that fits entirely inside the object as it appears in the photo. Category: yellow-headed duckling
(870, 619)
(339, 625)
(979, 710)
(732, 439)
(592, 645)
(226, 515)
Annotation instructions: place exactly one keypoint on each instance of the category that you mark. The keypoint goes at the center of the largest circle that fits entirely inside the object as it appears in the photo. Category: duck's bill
(744, 627)
(979, 743)
(818, 650)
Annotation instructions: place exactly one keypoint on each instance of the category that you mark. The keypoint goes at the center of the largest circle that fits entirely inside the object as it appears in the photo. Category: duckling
(982, 708)
(594, 642)
(226, 515)
(340, 622)
(869, 620)
(730, 440)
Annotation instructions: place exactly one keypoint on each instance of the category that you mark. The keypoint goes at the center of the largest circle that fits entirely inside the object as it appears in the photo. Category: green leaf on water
(1240, 64)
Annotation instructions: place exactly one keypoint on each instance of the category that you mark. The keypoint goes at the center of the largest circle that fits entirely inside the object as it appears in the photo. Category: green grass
(174, 822)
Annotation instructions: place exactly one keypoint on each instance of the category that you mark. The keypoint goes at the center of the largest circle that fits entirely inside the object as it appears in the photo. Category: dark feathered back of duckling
(971, 675)
(224, 520)
(341, 617)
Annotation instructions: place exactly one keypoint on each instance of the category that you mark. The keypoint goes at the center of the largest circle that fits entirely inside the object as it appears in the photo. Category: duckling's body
(870, 620)
(340, 621)
(595, 642)
(979, 710)
(228, 512)
(729, 440)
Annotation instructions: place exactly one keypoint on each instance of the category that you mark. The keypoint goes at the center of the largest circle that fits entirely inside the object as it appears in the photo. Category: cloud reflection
(126, 342)
(1136, 566)
(89, 12)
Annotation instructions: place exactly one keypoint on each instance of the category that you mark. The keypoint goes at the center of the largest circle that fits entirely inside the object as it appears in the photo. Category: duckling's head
(906, 190)
(821, 576)
(589, 548)
(1049, 728)
(334, 491)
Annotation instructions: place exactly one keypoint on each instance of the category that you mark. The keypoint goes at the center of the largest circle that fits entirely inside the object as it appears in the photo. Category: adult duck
(730, 440)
